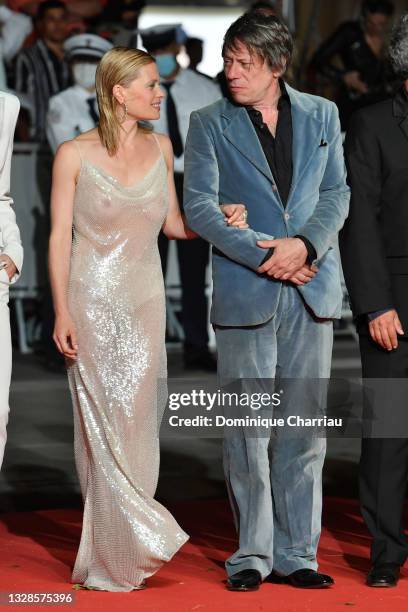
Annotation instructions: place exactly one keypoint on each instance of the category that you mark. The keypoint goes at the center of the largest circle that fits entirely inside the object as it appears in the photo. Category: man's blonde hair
(119, 66)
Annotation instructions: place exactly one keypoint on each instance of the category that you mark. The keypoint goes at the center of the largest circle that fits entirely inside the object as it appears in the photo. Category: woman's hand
(65, 336)
(353, 82)
(235, 215)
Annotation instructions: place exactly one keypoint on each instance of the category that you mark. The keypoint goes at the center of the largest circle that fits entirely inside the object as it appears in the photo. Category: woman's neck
(128, 131)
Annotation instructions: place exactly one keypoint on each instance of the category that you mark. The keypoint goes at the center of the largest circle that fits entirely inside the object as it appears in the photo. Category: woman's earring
(125, 112)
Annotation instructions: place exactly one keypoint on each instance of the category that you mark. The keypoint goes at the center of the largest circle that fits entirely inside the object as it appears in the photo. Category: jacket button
(287, 216)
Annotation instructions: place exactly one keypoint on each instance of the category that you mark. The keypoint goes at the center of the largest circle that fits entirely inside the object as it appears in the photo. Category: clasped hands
(288, 261)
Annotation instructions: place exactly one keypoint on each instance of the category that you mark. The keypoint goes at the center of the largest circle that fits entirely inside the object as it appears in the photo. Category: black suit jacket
(374, 240)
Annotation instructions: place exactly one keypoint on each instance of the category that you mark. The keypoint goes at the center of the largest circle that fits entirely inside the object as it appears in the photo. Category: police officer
(75, 110)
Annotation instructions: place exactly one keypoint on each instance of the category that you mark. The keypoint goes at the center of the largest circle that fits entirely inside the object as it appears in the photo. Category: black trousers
(384, 462)
(193, 257)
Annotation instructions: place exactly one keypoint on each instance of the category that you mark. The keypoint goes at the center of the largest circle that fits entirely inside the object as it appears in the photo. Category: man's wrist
(377, 313)
(311, 251)
(268, 255)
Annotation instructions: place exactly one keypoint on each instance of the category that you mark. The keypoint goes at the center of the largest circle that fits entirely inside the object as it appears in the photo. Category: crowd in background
(349, 66)
(49, 50)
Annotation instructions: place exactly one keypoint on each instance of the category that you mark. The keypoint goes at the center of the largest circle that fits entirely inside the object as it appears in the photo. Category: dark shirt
(278, 153)
(278, 149)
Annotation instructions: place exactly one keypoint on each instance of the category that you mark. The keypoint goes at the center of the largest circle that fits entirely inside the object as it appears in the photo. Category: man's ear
(278, 73)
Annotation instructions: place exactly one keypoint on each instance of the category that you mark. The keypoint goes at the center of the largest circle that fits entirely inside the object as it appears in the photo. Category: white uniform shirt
(190, 91)
(69, 115)
(15, 27)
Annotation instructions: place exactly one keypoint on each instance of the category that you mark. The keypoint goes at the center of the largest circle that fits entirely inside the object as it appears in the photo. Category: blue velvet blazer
(224, 162)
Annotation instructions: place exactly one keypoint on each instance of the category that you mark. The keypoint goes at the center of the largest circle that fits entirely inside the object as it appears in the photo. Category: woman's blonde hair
(119, 66)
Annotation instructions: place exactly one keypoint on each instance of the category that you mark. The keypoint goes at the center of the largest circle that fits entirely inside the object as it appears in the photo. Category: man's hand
(304, 275)
(10, 266)
(289, 257)
(384, 329)
(235, 215)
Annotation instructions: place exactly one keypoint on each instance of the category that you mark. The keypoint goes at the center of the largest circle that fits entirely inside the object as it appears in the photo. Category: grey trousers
(275, 484)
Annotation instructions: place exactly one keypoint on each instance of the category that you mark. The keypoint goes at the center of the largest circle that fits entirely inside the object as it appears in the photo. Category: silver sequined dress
(116, 298)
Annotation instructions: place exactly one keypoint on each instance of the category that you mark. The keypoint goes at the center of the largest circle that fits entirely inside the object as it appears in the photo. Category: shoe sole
(242, 589)
(317, 586)
(381, 586)
(277, 580)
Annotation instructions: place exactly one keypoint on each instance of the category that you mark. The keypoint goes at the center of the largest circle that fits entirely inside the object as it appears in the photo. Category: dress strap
(78, 148)
(157, 142)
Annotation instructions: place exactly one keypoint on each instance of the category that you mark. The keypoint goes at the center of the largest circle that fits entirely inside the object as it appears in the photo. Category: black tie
(92, 110)
(172, 122)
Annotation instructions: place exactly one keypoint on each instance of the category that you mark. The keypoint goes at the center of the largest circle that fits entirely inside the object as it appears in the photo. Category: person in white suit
(11, 252)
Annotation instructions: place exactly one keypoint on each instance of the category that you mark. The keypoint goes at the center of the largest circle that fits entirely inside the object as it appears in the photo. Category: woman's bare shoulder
(66, 150)
(89, 142)
(89, 136)
(67, 156)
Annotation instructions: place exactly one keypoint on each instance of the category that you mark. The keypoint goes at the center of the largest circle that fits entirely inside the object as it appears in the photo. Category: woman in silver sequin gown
(114, 187)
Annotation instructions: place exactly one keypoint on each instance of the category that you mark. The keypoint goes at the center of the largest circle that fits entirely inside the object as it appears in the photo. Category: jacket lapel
(404, 125)
(400, 110)
(307, 133)
(242, 135)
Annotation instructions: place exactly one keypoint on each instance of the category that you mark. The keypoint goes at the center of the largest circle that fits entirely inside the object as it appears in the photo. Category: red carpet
(38, 549)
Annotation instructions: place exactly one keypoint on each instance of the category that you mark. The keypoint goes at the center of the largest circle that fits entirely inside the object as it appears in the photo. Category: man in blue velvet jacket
(276, 286)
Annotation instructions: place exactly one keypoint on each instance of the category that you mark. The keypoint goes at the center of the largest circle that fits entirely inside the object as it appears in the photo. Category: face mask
(166, 64)
(84, 75)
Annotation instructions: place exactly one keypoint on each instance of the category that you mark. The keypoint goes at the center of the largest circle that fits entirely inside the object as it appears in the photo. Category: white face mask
(84, 75)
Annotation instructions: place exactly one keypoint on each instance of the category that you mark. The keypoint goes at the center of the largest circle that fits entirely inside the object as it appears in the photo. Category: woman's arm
(175, 226)
(65, 170)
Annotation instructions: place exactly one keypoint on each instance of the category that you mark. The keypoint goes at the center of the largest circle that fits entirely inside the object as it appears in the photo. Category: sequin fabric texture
(116, 298)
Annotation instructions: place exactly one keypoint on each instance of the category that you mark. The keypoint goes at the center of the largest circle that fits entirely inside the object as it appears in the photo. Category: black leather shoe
(384, 575)
(247, 580)
(303, 579)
